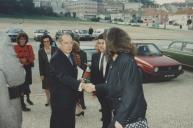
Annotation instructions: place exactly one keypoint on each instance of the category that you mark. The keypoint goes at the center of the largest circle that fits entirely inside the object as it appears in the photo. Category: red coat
(25, 54)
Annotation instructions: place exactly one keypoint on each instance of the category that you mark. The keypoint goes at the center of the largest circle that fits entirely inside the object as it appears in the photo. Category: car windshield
(148, 50)
(83, 31)
(99, 31)
(41, 31)
(66, 31)
(15, 30)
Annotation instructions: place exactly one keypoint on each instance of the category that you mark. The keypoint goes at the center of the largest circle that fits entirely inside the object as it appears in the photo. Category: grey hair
(64, 34)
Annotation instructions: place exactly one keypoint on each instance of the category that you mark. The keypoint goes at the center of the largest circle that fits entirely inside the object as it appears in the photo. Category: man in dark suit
(99, 69)
(64, 85)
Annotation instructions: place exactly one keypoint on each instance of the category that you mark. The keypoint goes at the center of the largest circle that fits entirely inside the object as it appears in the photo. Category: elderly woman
(123, 85)
(12, 75)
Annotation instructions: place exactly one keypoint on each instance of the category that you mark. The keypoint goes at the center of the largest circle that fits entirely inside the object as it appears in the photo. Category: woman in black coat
(44, 55)
(123, 86)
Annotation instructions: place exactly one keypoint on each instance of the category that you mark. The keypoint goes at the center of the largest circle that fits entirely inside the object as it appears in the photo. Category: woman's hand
(23, 60)
(118, 125)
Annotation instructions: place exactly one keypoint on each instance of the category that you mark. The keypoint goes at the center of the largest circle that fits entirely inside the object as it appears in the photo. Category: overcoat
(63, 90)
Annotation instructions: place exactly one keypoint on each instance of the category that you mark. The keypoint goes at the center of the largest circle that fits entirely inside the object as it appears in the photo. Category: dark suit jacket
(96, 74)
(64, 81)
(44, 65)
(83, 58)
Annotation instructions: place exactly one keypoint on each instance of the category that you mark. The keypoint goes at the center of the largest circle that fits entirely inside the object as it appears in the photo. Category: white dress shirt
(104, 63)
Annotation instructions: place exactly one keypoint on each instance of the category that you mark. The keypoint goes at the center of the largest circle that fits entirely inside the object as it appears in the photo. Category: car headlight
(180, 67)
(156, 69)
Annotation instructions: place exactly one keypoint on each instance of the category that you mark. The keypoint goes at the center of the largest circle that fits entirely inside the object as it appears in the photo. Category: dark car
(154, 65)
(12, 33)
(181, 51)
(39, 33)
(72, 33)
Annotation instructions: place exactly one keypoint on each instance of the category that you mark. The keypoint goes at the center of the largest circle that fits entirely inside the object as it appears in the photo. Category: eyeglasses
(46, 41)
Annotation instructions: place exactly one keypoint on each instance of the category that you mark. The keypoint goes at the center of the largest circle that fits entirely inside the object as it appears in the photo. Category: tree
(74, 14)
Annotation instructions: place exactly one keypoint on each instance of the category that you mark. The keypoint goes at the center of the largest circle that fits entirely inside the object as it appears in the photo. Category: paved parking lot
(169, 106)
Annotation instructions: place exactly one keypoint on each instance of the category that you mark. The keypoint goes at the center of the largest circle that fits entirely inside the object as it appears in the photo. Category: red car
(154, 65)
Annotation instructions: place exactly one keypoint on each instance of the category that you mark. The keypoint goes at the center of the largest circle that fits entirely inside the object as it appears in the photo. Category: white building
(83, 8)
(56, 5)
(181, 16)
(42, 3)
(132, 5)
(113, 7)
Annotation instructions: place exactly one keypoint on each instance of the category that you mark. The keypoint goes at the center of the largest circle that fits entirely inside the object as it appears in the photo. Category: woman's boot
(23, 105)
(28, 100)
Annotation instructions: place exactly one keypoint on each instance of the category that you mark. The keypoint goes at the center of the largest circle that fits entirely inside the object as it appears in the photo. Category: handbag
(140, 123)
(32, 64)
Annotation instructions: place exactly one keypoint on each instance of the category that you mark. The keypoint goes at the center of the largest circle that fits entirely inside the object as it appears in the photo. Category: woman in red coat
(26, 57)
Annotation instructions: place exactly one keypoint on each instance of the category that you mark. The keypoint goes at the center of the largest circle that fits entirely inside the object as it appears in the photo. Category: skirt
(24, 88)
(140, 123)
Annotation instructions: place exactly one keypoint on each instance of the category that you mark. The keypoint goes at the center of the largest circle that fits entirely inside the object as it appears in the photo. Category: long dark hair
(118, 41)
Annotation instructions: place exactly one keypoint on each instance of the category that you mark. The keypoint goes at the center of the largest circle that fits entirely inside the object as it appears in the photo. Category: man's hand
(118, 125)
(89, 87)
(42, 77)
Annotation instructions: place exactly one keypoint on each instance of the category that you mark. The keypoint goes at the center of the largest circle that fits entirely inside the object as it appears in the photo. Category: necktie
(101, 64)
(70, 59)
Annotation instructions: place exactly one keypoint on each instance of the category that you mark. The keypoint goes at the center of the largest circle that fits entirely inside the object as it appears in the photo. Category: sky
(168, 1)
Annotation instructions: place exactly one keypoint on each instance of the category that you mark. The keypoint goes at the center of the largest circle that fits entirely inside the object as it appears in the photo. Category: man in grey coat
(12, 75)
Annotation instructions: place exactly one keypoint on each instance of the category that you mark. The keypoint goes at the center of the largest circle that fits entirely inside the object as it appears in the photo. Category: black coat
(98, 78)
(44, 66)
(96, 74)
(83, 58)
(124, 88)
(63, 90)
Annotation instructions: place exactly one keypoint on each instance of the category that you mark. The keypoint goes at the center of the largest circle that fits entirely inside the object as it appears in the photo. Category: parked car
(13, 32)
(155, 65)
(97, 32)
(151, 62)
(72, 33)
(39, 33)
(89, 51)
(181, 51)
(83, 34)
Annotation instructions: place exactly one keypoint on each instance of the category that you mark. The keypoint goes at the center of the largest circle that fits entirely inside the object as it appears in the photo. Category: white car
(39, 33)
(97, 32)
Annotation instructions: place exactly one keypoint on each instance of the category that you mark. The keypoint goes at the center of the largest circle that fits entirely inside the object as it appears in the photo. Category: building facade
(84, 9)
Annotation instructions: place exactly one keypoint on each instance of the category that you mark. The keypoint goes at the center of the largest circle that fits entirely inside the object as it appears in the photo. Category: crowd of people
(115, 79)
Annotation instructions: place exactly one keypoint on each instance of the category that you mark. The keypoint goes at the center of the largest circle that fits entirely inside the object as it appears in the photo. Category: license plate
(172, 75)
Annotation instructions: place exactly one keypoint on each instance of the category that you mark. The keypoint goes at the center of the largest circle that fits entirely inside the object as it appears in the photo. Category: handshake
(88, 87)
